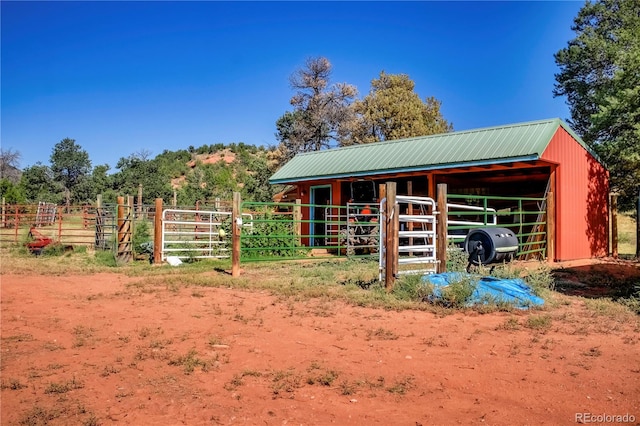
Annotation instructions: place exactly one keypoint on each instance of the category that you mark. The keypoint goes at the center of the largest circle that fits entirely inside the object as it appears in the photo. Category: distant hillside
(216, 171)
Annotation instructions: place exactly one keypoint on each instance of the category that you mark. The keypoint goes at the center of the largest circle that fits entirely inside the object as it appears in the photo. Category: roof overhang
(405, 170)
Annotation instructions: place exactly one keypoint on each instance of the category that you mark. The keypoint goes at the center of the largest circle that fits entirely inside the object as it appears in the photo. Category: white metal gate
(416, 235)
(197, 234)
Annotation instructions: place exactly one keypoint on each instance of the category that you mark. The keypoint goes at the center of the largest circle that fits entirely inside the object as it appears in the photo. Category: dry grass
(327, 281)
(626, 235)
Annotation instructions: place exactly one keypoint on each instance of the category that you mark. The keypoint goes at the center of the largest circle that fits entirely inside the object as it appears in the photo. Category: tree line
(70, 179)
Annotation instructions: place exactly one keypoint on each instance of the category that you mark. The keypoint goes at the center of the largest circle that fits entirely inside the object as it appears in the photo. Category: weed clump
(455, 295)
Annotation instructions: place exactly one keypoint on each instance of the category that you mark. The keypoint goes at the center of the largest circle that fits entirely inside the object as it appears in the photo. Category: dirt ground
(89, 350)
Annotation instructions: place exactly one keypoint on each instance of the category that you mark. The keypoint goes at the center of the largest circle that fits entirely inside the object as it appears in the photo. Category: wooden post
(441, 228)
(382, 195)
(614, 225)
(395, 228)
(120, 224)
(638, 226)
(431, 183)
(4, 212)
(175, 198)
(297, 220)
(157, 233)
(60, 213)
(132, 223)
(410, 212)
(236, 229)
(391, 237)
(139, 206)
(551, 227)
(99, 238)
(124, 233)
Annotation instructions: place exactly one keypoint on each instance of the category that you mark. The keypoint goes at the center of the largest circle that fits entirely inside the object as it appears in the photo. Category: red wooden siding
(582, 188)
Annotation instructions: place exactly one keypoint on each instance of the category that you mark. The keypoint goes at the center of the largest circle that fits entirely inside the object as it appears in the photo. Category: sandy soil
(99, 349)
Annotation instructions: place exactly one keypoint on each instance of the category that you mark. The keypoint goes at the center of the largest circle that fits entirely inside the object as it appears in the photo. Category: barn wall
(582, 188)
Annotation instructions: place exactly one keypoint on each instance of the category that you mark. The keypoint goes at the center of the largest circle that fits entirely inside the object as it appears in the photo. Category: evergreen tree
(392, 110)
(600, 76)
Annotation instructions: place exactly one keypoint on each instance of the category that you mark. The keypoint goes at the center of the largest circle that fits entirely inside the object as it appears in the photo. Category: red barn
(524, 159)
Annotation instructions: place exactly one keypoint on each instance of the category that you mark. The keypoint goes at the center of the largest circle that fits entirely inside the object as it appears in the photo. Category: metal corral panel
(493, 145)
(582, 189)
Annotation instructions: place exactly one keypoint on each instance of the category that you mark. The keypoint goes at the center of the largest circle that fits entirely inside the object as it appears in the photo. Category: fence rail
(65, 225)
(525, 216)
(88, 226)
(281, 230)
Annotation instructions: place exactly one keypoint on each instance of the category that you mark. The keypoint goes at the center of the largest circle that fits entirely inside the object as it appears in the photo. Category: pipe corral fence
(281, 231)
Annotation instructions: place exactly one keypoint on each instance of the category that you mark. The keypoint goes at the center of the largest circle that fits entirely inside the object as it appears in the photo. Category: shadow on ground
(620, 279)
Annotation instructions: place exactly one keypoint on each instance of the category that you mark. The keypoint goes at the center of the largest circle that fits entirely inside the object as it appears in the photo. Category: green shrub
(540, 279)
(632, 303)
(457, 259)
(106, 258)
(271, 236)
(55, 249)
(141, 237)
(458, 292)
(412, 288)
(454, 295)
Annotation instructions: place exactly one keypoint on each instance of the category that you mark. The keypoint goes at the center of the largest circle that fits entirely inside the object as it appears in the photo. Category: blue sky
(125, 77)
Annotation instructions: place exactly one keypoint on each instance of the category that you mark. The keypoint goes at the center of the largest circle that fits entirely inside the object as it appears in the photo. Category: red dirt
(97, 350)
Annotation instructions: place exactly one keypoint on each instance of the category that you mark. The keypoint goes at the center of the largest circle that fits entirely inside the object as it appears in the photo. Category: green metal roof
(491, 145)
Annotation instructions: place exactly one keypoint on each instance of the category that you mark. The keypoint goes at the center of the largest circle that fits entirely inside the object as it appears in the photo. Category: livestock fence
(526, 217)
(280, 231)
(98, 226)
(69, 225)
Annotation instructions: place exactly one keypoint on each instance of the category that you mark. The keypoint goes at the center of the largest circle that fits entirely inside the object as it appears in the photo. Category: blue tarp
(513, 291)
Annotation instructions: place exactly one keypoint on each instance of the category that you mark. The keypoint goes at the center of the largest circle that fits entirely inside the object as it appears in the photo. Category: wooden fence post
(391, 237)
(132, 223)
(441, 228)
(157, 233)
(410, 212)
(60, 213)
(236, 229)
(124, 233)
(297, 221)
(382, 195)
(139, 206)
(614, 225)
(551, 227)
(638, 226)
